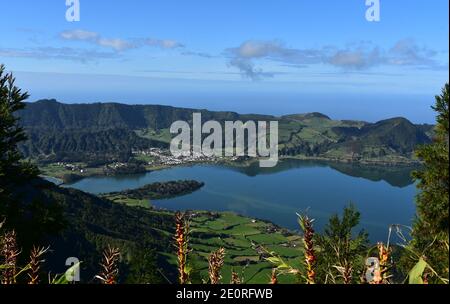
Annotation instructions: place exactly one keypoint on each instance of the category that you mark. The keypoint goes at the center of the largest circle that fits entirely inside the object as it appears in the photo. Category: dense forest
(163, 190)
(96, 146)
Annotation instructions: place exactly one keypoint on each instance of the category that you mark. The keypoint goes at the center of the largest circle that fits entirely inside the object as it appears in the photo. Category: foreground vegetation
(225, 248)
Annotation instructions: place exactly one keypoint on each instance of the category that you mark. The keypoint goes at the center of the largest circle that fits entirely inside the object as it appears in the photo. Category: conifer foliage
(431, 228)
(30, 218)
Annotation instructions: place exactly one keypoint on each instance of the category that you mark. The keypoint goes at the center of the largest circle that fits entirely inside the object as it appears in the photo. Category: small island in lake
(155, 191)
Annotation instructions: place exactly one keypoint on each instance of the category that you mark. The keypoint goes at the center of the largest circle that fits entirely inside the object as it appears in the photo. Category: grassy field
(162, 135)
(245, 241)
(58, 170)
(54, 170)
(122, 199)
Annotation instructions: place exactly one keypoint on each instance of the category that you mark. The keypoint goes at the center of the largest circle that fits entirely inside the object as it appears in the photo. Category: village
(160, 157)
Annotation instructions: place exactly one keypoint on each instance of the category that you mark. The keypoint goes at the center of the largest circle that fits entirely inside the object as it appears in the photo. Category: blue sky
(271, 56)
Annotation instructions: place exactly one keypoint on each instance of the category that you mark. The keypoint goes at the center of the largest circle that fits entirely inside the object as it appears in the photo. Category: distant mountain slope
(52, 114)
(396, 135)
(112, 144)
(49, 114)
(64, 131)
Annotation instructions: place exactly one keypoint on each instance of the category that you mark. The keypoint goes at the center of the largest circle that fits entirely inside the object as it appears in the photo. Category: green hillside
(145, 238)
(76, 132)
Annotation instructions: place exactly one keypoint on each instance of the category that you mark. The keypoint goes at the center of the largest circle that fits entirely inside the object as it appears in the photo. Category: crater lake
(384, 195)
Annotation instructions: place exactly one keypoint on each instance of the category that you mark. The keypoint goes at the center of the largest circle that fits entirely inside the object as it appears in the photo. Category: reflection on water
(398, 176)
(384, 195)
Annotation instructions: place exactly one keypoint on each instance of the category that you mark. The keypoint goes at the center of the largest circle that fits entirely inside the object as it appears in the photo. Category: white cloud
(248, 69)
(353, 57)
(356, 59)
(63, 53)
(79, 35)
(118, 44)
(165, 44)
(407, 52)
(257, 49)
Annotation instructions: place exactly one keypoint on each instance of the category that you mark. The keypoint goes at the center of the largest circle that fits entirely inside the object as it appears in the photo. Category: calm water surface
(384, 196)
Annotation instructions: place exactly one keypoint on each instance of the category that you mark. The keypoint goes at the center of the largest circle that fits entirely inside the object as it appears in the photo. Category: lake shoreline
(383, 195)
(245, 164)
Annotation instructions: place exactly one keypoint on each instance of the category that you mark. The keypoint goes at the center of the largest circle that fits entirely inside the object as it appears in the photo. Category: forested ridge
(72, 132)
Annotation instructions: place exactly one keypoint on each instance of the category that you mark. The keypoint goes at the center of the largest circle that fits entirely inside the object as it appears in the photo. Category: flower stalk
(235, 279)
(10, 253)
(274, 277)
(109, 265)
(308, 242)
(35, 264)
(216, 261)
(182, 244)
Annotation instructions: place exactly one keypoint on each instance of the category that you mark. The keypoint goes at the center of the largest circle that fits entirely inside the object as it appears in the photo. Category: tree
(340, 251)
(431, 227)
(12, 170)
(18, 178)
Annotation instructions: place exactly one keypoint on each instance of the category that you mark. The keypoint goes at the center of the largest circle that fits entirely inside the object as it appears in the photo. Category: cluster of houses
(164, 157)
(78, 169)
(116, 165)
(71, 167)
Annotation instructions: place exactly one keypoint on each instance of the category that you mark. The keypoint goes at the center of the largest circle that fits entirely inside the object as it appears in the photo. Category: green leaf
(274, 260)
(188, 269)
(284, 266)
(26, 268)
(415, 275)
(62, 279)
